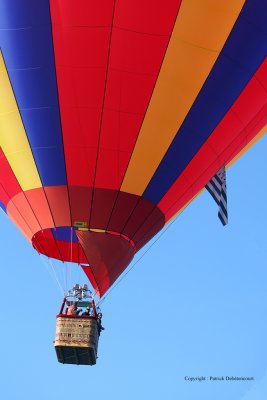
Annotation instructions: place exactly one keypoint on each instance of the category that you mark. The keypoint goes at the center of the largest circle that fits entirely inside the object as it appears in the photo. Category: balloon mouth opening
(62, 243)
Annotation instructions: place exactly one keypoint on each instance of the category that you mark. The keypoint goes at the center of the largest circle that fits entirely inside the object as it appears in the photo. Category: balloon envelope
(115, 114)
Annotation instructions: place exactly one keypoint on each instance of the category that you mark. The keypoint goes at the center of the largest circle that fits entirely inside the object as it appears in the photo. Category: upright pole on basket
(62, 306)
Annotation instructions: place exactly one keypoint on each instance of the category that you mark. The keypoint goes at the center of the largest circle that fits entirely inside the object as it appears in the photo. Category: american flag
(217, 188)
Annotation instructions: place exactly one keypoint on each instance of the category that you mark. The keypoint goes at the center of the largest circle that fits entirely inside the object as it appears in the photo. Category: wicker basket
(76, 340)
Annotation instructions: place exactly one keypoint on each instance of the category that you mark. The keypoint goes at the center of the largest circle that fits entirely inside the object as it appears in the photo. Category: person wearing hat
(99, 323)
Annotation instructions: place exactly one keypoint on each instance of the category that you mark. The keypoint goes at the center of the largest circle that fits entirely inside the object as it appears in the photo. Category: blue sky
(195, 304)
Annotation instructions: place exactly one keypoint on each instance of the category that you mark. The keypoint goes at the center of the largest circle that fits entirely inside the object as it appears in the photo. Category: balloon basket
(76, 340)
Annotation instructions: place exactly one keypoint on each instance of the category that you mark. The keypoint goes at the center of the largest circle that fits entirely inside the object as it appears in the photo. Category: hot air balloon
(115, 114)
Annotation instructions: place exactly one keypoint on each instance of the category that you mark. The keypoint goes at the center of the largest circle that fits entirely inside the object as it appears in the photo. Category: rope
(77, 266)
(70, 255)
(53, 275)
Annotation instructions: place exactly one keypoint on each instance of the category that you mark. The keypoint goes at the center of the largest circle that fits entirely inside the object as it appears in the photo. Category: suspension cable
(71, 254)
(52, 273)
(55, 275)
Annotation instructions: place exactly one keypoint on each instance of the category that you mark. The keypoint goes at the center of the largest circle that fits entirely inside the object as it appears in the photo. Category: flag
(217, 188)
